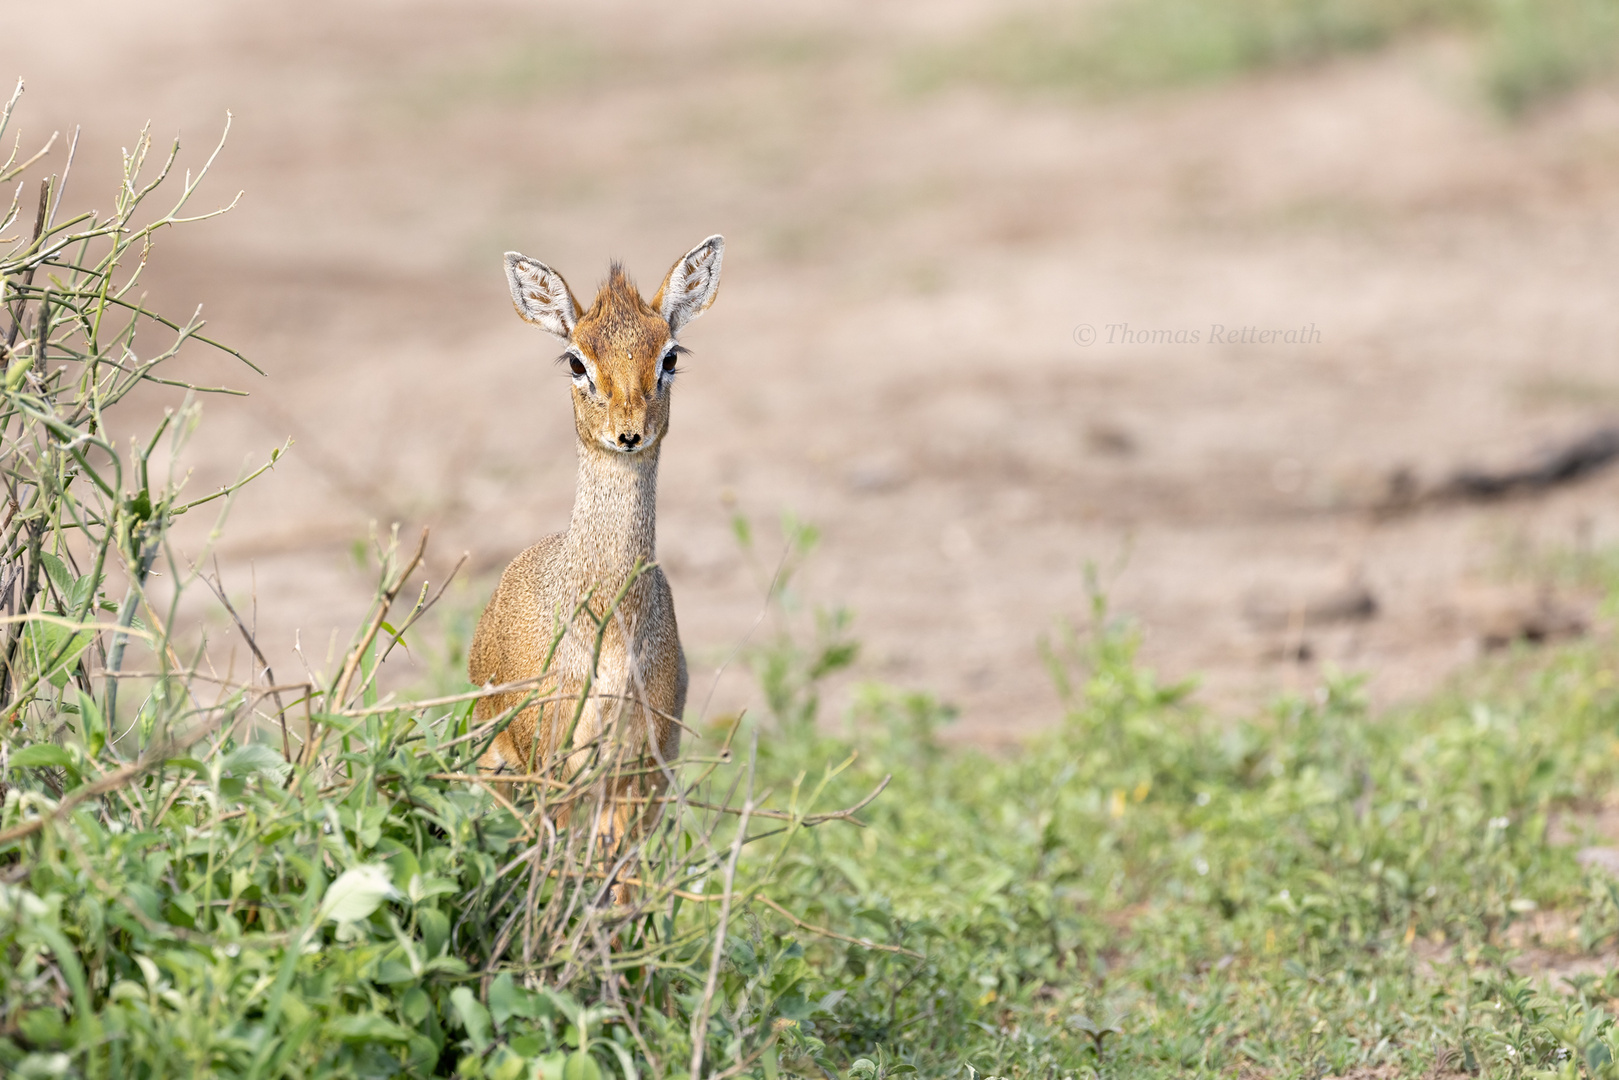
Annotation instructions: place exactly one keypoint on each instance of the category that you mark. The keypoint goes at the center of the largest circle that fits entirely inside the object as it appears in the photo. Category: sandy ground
(901, 350)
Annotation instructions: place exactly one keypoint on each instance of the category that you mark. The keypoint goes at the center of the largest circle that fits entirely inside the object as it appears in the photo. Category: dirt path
(896, 354)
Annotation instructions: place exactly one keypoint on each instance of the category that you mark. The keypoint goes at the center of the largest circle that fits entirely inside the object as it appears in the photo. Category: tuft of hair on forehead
(618, 297)
(619, 322)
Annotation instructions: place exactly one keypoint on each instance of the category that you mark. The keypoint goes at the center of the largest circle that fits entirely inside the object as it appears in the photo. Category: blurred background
(1007, 295)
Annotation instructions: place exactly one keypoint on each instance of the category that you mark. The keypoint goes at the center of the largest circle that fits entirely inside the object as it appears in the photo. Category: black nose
(629, 440)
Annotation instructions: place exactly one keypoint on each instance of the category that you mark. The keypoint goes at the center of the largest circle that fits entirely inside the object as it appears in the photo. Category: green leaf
(414, 1005)
(626, 1062)
(16, 371)
(424, 887)
(474, 1017)
(393, 970)
(44, 641)
(423, 1054)
(564, 1003)
(139, 506)
(449, 965)
(368, 1028)
(256, 758)
(92, 727)
(435, 927)
(397, 635)
(357, 893)
(58, 572)
(581, 1066)
(504, 1064)
(41, 755)
(507, 999)
(144, 897)
(42, 1027)
(830, 1001)
(80, 595)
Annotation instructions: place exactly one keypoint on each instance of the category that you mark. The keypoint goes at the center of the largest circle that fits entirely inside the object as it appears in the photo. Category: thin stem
(699, 1021)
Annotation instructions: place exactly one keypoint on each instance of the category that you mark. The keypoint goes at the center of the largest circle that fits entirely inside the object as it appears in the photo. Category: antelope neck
(614, 523)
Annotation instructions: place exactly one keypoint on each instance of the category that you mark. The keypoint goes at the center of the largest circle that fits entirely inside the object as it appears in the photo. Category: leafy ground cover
(1148, 891)
(1528, 51)
(201, 876)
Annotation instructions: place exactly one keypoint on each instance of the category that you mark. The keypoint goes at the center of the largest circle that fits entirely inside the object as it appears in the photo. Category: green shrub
(199, 877)
(1149, 892)
(261, 881)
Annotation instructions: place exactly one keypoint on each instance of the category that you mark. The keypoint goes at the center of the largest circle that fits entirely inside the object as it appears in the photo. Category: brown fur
(639, 687)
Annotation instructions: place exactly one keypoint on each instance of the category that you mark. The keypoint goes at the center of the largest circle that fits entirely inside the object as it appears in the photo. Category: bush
(1148, 892)
(199, 877)
(252, 880)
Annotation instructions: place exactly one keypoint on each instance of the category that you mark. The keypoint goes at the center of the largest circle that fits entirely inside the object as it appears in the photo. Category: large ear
(691, 284)
(540, 294)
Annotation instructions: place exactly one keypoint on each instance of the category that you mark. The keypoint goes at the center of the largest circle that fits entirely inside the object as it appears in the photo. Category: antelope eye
(669, 362)
(576, 365)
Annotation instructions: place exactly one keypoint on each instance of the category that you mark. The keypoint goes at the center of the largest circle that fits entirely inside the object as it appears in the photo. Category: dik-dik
(622, 354)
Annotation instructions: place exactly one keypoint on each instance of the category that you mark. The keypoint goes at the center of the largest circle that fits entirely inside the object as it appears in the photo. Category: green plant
(1152, 891)
(1140, 44)
(275, 881)
(78, 511)
(1537, 50)
(789, 672)
(200, 877)
(1529, 50)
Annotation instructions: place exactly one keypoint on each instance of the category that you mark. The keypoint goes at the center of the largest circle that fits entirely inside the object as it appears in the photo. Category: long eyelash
(570, 354)
(562, 362)
(676, 350)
